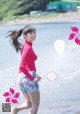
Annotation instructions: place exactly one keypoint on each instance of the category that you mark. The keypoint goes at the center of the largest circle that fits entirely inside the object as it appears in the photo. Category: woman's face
(31, 36)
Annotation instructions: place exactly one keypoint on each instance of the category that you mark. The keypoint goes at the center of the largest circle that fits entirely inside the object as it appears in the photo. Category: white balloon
(59, 46)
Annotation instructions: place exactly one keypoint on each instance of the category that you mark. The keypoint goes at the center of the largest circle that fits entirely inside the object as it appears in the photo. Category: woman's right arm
(25, 54)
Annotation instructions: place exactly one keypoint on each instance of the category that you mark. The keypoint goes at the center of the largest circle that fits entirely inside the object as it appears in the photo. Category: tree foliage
(10, 8)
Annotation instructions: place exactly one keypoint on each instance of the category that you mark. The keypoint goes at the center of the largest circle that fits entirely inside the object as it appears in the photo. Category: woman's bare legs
(35, 100)
(25, 105)
(32, 101)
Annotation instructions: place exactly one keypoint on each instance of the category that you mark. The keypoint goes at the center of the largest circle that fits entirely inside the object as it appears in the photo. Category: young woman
(27, 78)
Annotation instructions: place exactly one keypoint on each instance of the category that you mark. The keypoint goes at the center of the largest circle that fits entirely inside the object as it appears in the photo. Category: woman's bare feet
(14, 110)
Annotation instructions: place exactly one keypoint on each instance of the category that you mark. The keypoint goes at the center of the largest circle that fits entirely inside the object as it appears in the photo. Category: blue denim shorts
(26, 85)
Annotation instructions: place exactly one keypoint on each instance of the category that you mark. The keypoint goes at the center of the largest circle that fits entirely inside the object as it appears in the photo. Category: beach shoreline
(61, 96)
(62, 17)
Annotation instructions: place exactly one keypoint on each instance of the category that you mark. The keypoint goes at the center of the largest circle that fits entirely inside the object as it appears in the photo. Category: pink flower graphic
(75, 35)
(11, 96)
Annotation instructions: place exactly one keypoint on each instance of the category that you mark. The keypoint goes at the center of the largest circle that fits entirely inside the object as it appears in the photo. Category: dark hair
(15, 34)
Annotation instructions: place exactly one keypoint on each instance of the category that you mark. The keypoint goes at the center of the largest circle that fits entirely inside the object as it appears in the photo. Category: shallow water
(59, 96)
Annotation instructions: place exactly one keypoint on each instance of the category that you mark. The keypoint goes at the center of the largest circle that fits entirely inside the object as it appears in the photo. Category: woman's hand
(37, 79)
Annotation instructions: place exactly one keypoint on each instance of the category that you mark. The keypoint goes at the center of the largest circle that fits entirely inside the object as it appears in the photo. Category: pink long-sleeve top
(28, 58)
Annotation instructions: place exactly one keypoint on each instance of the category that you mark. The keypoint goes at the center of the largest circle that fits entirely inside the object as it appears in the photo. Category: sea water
(59, 96)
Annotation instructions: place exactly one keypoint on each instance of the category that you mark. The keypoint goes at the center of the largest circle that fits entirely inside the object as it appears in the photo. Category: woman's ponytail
(14, 35)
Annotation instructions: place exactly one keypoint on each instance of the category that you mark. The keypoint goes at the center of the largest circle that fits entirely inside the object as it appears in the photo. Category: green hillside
(11, 9)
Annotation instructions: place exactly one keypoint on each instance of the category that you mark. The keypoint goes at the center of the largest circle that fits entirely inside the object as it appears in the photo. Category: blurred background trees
(14, 8)
(20, 7)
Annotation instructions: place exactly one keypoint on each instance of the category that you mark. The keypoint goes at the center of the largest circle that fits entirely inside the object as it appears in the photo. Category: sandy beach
(62, 17)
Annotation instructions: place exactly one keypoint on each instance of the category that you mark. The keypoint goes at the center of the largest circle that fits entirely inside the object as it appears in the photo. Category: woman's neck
(28, 42)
